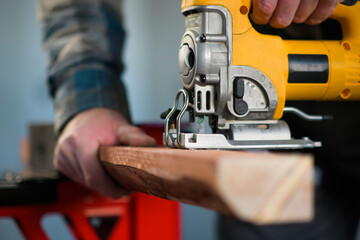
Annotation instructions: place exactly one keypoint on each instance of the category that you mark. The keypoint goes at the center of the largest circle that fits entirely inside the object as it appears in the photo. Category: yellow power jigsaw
(240, 78)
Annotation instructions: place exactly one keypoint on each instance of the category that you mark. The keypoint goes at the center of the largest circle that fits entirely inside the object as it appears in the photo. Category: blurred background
(154, 29)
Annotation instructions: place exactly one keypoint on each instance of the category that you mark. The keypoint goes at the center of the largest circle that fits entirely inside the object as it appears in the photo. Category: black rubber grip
(349, 2)
(308, 68)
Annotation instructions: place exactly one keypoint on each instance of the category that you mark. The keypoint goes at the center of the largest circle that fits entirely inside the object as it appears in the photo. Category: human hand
(280, 13)
(76, 152)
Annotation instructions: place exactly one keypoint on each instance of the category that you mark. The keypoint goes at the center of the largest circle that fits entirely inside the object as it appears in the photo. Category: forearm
(83, 40)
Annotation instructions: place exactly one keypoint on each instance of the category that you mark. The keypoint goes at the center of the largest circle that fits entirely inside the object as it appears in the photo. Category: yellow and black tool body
(241, 78)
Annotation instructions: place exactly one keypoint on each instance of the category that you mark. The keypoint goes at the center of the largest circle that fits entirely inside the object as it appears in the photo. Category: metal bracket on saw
(256, 134)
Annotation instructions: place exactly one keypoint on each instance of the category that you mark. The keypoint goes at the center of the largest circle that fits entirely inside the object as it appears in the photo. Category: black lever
(172, 119)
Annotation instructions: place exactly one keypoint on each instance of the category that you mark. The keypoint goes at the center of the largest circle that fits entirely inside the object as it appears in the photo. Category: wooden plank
(260, 187)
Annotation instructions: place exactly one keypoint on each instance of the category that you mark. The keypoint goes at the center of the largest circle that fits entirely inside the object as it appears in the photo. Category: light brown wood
(260, 187)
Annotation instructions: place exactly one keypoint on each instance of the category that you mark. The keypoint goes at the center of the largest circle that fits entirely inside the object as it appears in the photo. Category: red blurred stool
(139, 217)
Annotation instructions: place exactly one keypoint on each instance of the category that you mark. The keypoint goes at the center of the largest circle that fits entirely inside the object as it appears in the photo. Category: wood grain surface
(261, 187)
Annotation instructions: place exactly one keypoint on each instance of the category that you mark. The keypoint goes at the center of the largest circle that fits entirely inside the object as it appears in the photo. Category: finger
(284, 13)
(323, 10)
(263, 10)
(305, 9)
(134, 136)
(98, 180)
(95, 177)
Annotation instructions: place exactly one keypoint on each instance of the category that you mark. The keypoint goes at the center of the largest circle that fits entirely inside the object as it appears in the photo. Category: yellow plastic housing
(269, 54)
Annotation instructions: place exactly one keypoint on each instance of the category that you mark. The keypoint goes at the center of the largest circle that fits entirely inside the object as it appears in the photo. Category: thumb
(134, 136)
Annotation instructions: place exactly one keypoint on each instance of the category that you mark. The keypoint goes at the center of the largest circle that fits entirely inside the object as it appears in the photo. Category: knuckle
(71, 141)
(328, 10)
(334, 3)
(281, 21)
(325, 9)
(299, 19)
(314, 21)
(266, 7)
(301, 16)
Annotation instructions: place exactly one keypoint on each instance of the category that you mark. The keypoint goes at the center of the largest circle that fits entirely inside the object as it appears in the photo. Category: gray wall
(154, 31)
(23, 96)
